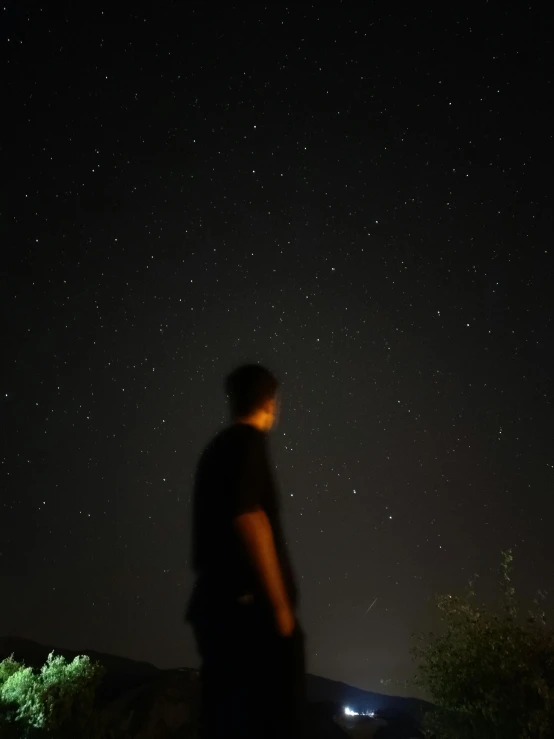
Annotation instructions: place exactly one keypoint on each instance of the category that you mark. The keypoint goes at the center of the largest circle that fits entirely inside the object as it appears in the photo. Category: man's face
(271, 410)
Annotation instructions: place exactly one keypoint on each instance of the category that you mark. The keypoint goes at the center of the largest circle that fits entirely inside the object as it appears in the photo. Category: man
(243, 607)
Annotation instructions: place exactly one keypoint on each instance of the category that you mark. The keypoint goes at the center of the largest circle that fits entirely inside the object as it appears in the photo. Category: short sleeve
(248, 480)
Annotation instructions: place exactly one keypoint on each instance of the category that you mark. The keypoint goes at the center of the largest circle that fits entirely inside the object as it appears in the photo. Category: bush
(58, 701)
(490, 675)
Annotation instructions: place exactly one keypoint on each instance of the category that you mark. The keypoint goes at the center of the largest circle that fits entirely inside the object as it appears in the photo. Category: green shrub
(57, 701)
(490, 674)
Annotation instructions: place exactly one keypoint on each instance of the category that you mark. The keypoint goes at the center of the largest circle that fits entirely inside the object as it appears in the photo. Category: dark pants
(252, 678)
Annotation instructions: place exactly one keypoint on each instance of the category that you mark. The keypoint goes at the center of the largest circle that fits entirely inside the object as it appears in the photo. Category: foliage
(490, 674)
(57, 702)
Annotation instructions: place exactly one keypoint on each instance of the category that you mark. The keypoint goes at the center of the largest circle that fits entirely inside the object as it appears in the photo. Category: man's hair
(248, 387)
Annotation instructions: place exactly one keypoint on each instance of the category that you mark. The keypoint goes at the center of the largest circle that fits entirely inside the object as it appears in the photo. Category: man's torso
(233, 474)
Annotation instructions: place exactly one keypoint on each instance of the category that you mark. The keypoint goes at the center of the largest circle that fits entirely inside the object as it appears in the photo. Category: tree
(490, 674)
(58, 701)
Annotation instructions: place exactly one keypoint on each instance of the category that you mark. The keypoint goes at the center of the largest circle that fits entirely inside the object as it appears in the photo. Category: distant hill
(129, 685)
(323, 689)
(34, 654)
(122, 673)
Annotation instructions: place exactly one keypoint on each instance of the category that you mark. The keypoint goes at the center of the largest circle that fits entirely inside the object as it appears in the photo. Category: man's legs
(234, 686)
(252, 678)
(287, 672)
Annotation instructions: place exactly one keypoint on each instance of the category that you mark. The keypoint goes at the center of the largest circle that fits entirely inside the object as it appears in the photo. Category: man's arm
(255, 532)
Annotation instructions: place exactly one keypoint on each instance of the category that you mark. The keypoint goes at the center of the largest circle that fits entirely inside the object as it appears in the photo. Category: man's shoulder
(231, 440)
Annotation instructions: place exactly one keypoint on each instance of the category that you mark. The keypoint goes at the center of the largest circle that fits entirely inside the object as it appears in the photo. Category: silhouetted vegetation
(490, 672)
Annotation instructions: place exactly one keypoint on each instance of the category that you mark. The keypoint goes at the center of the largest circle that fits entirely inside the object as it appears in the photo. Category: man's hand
(285, 620)
(254, 530)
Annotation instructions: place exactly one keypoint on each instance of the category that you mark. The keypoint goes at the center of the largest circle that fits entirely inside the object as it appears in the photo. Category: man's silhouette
(243, 606)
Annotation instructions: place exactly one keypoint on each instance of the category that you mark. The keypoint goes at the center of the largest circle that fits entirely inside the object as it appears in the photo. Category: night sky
(358, 199)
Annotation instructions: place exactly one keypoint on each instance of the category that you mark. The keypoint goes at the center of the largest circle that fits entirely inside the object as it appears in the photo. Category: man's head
(252, 392)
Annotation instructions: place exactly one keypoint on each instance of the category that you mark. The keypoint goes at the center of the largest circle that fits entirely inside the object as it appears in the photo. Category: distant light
(350, 712)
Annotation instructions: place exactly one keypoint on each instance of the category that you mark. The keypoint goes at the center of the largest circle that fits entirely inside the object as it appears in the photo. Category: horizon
(85, 650)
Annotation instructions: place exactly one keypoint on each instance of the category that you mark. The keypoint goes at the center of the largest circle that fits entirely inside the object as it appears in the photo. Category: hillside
(153, 702)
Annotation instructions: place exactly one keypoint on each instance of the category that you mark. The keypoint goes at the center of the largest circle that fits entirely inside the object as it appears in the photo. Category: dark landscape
(154, 703)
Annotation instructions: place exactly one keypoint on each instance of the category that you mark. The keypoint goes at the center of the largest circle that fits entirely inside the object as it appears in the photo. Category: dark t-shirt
(233, 476)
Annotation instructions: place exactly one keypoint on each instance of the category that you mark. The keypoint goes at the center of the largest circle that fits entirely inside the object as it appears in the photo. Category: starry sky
(359, 199)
